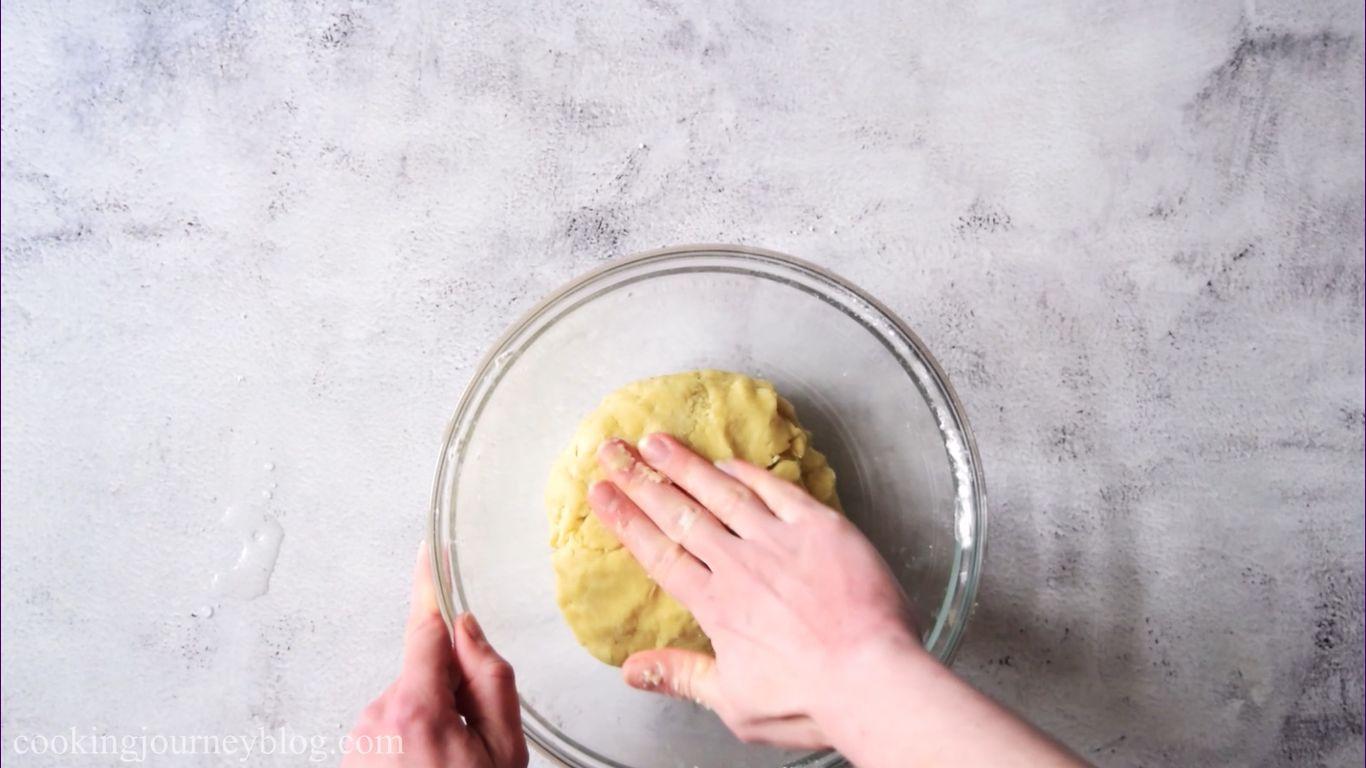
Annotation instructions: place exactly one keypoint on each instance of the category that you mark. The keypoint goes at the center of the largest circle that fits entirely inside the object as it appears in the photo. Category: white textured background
(246, 232)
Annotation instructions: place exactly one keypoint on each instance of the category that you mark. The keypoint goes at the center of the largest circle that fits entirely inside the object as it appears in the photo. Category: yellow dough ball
(613, 608)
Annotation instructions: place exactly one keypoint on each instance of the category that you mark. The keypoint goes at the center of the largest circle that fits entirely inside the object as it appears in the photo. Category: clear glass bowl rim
(450, 596)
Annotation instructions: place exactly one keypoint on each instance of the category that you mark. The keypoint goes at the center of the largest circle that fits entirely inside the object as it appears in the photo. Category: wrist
(881, 671)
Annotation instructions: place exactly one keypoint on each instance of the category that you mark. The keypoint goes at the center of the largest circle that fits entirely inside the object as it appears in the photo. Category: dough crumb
(652, 676)
(617, 458)
(652, 475)
(686, 519)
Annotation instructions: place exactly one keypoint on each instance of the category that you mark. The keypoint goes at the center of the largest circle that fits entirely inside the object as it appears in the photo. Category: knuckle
(688, 473)
(736, 496)
(832, 522)
(685, 520)
(498, 668)
(407, 714)
(372, 714)
(429, 625)
(743, 729)
(625, 524)
(670, 678)
(816, 518)
(706, 603)
(664, 562)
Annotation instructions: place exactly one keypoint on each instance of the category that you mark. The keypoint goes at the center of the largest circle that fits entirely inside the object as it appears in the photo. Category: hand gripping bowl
(874, 399)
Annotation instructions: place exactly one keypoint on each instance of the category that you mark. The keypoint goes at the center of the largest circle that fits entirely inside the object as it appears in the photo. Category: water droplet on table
(260, 537)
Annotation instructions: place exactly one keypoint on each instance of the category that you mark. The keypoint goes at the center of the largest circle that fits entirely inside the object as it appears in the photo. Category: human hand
(789, 591)
(454, 704)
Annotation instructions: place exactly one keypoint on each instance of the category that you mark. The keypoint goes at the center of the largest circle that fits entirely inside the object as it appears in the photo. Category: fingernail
(614, 455)
(471, 627)
(653, 448)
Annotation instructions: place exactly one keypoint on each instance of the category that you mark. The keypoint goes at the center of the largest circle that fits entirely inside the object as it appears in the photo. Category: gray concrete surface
(241, 235)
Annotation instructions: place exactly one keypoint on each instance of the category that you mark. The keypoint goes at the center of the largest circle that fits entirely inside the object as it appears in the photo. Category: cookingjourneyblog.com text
(149, 745)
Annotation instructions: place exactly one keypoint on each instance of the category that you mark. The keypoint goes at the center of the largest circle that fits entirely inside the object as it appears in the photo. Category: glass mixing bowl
(875, 401)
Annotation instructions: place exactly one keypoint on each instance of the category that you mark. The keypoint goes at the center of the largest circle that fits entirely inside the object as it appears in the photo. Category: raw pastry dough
(609, 602)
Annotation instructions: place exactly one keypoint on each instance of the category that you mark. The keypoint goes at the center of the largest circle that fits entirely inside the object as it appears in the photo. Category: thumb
(428, 664)
(675, 672)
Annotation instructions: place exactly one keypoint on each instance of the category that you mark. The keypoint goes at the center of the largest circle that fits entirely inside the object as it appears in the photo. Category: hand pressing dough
(613, 608)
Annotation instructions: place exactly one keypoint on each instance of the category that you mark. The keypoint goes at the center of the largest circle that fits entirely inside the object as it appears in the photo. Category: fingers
(796, 732)
(674, 672)
(680, 518)
(691, 675)
(443, 681)
(422, 602)
(671, 566)
(727, 498)
(789, 501)
(488, 698)
(428, 670)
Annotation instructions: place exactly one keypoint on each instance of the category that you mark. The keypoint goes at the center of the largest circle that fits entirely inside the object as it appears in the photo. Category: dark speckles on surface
(1111, 746)
(625, 175)
(1076, 376)
(981, 218)
(1256, 577)
(968, 366)
(595, 231)
(1261, 48)
(1122, 497)
(1327, 712)
(583, 115)
(1218, 274)
(1166, 208)
(337, 33)
(1067, 441)
(682, 37)
(1242, 107)
(1065, 570)
(1327, 634)
(1339, 605)
(63, 235)
(1323, 279)
(1311, 740)
(1353, 418)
